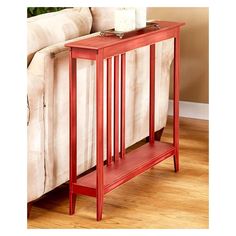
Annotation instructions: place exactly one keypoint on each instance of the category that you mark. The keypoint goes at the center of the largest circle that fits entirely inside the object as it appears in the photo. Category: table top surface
(98, 42)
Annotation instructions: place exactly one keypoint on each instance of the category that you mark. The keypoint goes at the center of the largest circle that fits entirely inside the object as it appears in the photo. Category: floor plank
(159, 198)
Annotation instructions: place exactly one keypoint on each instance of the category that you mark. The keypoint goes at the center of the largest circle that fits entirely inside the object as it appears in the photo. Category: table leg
(73, 133)
(176, 100)
(99, 128)
(152, 95)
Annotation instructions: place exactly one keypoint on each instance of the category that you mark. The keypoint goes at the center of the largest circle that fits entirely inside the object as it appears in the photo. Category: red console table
(121, 167)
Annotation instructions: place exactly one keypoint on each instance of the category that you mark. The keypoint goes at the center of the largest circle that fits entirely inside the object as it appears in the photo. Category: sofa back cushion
(103, 18)
(47, 29)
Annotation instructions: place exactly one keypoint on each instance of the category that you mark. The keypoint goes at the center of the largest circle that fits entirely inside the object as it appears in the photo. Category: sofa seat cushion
(47, 29)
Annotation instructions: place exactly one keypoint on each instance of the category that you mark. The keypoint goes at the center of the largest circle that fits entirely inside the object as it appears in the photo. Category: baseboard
(191, 110)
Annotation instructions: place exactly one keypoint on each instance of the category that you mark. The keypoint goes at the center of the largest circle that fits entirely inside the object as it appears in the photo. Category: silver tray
(122, 34)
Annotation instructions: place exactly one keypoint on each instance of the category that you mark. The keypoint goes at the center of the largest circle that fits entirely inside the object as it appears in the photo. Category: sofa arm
(41, 90)
(47, 29)
(41, 80)
(59, 47)
(35, 136)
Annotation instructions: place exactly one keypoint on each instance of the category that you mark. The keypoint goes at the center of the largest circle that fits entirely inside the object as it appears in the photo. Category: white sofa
(48, 98)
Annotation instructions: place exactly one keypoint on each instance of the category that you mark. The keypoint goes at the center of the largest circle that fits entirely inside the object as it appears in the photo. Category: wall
(194, 49)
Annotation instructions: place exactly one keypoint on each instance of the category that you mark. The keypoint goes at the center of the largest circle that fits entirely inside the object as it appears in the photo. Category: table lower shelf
(134, 163)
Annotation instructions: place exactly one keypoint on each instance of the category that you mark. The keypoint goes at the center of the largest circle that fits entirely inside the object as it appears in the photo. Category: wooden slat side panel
(116, 108)
(123, 85)
(109, 111)
(152, 95)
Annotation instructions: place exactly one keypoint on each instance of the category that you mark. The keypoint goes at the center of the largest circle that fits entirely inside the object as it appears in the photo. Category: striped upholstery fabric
(103, 18)
(47, 29)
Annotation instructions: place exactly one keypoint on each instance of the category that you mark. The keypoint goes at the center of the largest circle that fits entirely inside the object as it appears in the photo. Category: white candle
(140, 17)
(124, 19)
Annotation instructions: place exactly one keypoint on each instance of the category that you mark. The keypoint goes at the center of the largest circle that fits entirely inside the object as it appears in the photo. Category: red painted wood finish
(116, 108)
(109, 110)
(152, 95)
(106, 178)
(176, 99)
(99, 134)
(122, 129)
(73, 135)
(135, 163)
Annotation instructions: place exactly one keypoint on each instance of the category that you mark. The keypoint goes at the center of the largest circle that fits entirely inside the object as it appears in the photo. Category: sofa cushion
(103, 18)
(48, 119)
(47, 29)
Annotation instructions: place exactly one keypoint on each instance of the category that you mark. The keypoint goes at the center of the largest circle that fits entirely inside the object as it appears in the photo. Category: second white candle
(140, 17)
(124, 19)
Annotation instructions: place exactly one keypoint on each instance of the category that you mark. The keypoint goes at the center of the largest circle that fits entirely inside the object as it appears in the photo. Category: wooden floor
(159, 198)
